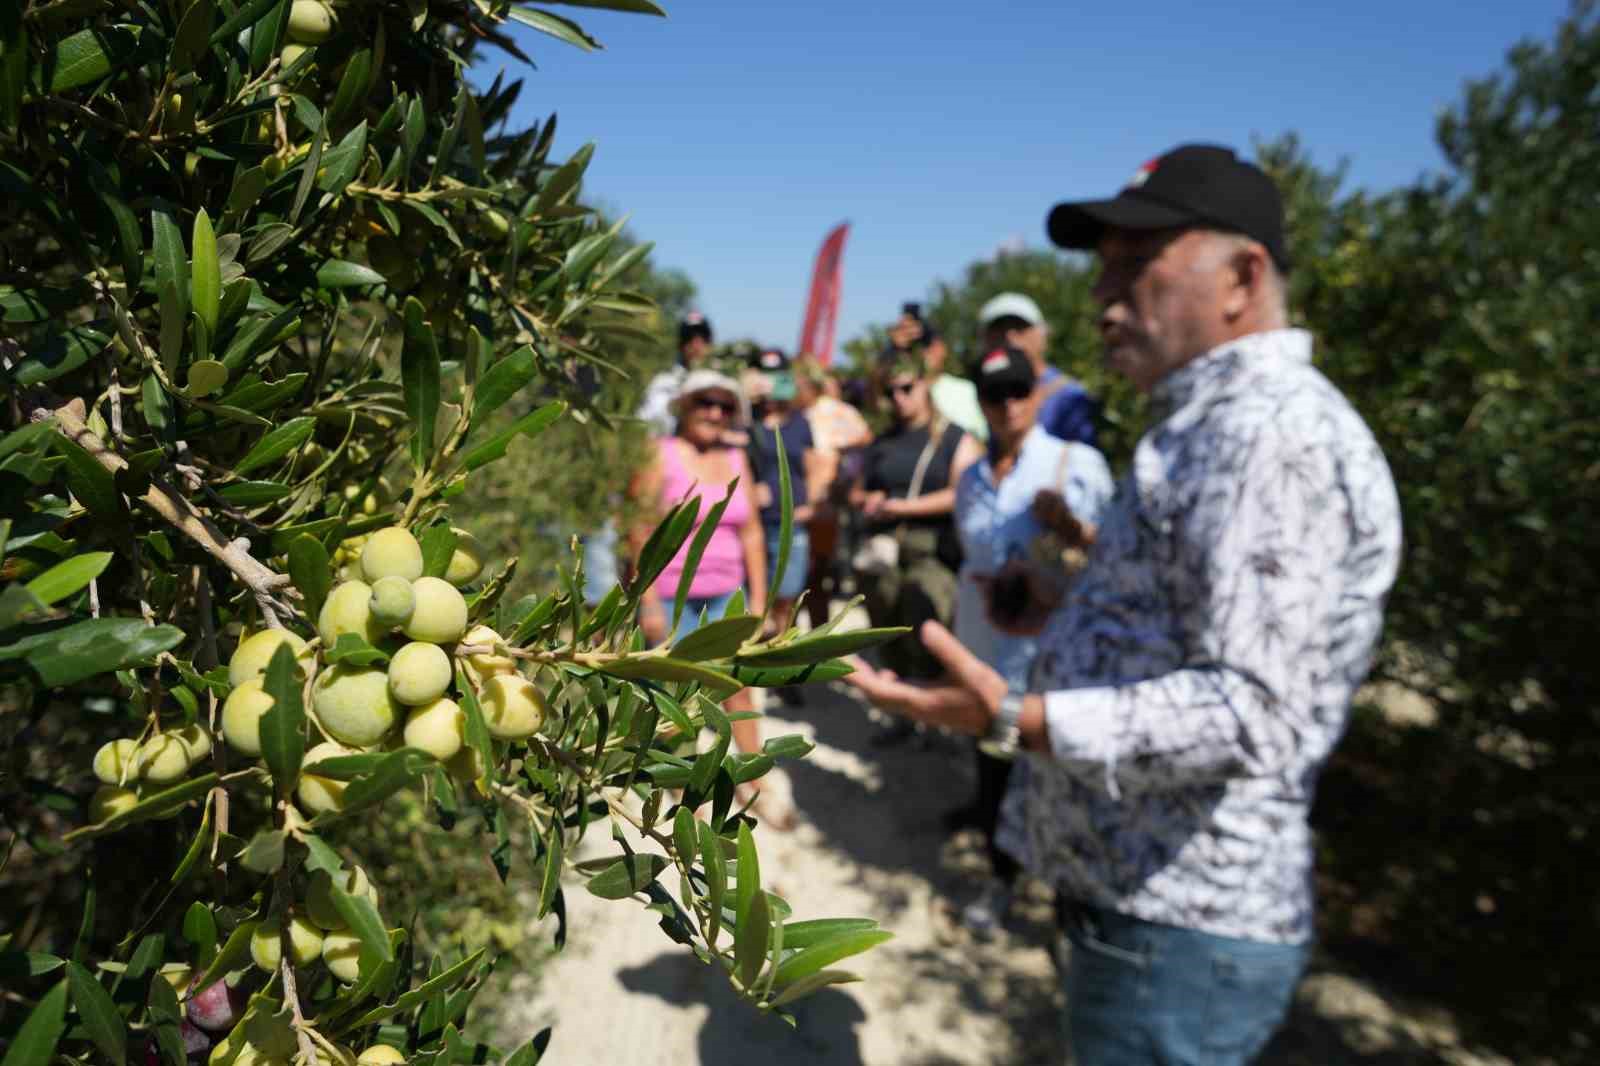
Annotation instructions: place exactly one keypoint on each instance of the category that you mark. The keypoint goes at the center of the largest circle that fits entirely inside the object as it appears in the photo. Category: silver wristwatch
(1005, 729)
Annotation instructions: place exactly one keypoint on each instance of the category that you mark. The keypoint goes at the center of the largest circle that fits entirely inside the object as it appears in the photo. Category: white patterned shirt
(1202, 672)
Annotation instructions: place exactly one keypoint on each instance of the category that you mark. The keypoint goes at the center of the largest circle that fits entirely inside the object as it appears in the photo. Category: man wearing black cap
(694, 344)
(1189, 691)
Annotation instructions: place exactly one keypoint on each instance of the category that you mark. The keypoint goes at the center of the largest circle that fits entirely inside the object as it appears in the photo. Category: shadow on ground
(825, 1029)
(1339, 1018)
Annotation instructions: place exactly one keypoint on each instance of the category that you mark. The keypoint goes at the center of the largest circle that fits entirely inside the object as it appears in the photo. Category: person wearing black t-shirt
(906, 493)
(777, 423)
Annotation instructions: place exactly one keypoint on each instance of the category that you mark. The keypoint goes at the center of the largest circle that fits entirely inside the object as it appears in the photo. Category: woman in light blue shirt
(995, 517)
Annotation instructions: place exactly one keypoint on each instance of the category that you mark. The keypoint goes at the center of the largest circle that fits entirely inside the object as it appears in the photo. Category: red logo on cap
(995, 361)
(1143, 173)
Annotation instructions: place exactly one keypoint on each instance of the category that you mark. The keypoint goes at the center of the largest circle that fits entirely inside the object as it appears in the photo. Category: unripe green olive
(354, 704)
(266, 943)
(391, 552)
(440, 616)
(317, 794)
(195, 740)
(310, 22)
(466, 765)
(117, 761)
(392, 600)
(291, 54)
(466, 562)
(341, 953)
(262, 1040)
(320, 907)
(512, 706)
(419, 673)
(163, 759)
(438, 728)
(348, 609)
(241, 716)
(485, 664)
(109, 801)
(254, 652)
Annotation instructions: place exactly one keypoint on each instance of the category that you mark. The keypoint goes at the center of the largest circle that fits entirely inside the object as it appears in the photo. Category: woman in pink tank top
(694, 461)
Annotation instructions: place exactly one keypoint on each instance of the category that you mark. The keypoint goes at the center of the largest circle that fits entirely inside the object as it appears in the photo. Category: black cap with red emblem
(1192, 185)
(1003, 373)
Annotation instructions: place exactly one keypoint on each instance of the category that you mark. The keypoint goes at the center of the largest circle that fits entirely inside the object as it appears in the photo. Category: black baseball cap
(1192, 185)
(769, 360)
(694, 324)
(1003, 371)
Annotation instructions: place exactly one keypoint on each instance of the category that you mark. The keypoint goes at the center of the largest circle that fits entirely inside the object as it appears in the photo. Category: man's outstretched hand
(966, 701)
(966, 669)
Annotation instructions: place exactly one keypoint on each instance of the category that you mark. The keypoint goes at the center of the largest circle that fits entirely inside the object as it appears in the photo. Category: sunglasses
(999, 394)
(727, 407)
(901, 389)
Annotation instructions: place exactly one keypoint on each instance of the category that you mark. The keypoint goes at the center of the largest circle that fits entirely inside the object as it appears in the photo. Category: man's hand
(1018, 598)
(966, 705)
(763, 495)
(872, 505)
(966, 669)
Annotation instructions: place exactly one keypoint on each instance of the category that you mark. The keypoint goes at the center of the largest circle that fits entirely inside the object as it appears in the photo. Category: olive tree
(277, 285)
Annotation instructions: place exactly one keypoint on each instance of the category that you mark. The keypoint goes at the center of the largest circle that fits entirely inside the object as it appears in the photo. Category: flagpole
(822, 302)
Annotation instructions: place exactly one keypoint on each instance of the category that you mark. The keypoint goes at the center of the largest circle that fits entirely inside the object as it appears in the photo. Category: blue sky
(737, 132)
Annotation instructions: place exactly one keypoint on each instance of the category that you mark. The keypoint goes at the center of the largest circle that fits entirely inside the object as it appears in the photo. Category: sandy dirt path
(869, 842)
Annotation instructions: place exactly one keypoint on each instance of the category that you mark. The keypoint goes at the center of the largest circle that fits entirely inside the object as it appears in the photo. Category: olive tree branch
(168, 503)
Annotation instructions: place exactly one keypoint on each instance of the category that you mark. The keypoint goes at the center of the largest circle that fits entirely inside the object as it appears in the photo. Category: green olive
(310, 22)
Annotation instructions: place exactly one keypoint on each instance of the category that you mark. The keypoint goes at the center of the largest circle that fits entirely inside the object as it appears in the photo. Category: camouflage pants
(920, 589)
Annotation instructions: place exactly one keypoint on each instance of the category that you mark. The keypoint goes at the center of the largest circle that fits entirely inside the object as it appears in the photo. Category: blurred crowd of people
(912, 497)
(1154, 673)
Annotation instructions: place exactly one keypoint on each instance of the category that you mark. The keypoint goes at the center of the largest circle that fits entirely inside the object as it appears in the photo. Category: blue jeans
(1143, 994)
(794, 573)
(714, 607)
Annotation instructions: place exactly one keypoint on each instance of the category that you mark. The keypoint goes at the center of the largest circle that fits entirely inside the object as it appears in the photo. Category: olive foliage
(278, 289)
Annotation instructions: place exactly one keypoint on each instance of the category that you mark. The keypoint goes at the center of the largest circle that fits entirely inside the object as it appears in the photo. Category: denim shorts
(711, 607)
(794, 574)
(1141, 993)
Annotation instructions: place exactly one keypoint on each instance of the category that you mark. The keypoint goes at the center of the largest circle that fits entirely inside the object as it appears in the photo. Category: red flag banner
(822, 306)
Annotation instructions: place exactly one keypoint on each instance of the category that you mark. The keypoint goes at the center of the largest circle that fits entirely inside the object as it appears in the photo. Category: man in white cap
(1013, 320)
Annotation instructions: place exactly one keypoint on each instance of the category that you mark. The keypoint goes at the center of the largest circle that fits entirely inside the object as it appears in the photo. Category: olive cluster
(417, 621)
(315, 928)
(125, 767)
